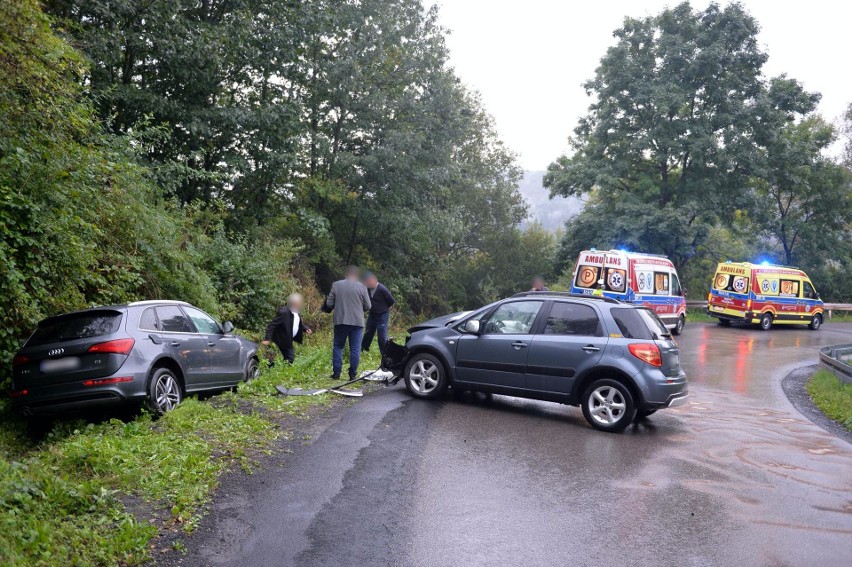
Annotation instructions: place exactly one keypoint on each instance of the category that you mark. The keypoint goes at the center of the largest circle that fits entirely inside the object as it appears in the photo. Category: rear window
(640, 324)
(77, 326)
(728, 282)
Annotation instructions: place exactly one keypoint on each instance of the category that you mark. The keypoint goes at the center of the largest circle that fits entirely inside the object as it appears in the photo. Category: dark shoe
(335, 376)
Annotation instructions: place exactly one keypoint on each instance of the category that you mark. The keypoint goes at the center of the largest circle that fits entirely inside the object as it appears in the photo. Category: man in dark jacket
(381, 300)
(288, 327)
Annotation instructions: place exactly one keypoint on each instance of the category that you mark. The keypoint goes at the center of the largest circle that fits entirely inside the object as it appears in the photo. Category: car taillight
(646, 352)
(748, 305)
(17, 393)
(105, 381)
(709, 297)
(20, 359)
(118, 346)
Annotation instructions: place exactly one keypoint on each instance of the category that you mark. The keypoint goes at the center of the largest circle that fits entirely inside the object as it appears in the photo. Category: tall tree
(804, 195)
(680, 119)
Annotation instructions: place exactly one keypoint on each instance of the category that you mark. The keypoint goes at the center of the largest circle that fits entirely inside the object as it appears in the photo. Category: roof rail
(566, 294)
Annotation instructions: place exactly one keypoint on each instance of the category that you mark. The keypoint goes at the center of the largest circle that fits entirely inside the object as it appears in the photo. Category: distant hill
(551, 213)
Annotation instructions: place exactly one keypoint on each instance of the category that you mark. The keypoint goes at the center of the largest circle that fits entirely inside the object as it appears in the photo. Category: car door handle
(518, 345)
(211, 344)
(591, 348)
(176, 343)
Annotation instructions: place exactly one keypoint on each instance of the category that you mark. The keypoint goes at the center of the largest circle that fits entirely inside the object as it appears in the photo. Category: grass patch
(97, 493)
(832, 396)
(699, 315)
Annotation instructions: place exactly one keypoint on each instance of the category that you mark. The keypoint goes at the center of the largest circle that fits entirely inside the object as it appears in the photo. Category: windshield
(75, 326)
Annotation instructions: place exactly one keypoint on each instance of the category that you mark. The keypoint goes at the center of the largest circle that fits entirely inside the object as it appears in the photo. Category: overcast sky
(529, 58)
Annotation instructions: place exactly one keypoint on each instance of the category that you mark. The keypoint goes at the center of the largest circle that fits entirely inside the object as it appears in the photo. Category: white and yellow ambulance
(764, 294)
(642, 279)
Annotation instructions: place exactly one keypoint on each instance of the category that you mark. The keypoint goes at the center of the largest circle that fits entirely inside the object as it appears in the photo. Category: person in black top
(288, 327)
(381, 300)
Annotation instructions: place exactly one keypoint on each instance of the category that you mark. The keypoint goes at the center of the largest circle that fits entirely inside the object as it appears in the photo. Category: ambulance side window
(676, 289)
(661, 283)
(789, 288)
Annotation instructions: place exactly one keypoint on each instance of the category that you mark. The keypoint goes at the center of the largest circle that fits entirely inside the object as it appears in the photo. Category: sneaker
(335, 376)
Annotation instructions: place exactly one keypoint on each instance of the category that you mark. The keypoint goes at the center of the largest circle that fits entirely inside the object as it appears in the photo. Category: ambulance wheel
(816, 323)
(766, 322)
(678, 328)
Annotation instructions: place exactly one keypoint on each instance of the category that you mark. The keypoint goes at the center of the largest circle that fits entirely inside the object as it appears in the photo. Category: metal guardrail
(836, 359)
(828, 307)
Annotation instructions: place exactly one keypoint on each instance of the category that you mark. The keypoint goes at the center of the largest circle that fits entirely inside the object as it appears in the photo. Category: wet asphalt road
(736, 477)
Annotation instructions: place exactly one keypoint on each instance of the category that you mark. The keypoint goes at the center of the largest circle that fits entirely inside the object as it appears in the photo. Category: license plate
(60, 365)
(718, 308)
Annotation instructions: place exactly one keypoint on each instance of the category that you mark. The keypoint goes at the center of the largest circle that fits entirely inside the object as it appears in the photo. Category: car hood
(441, 321)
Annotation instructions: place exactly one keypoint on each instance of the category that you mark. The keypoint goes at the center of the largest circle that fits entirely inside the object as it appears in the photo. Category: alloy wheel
(167, 393)
(424, 376)
(607, 405)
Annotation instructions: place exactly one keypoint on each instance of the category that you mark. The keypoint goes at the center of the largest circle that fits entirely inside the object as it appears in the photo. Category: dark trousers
(353, 334)
(289, 353)
(376, 324)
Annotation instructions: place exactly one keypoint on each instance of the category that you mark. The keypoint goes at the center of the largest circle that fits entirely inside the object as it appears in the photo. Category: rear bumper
(732, 315)
(71, 396)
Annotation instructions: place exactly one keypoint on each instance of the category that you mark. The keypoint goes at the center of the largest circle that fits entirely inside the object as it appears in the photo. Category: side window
(172, 320)
(148, 321)
(573, 319)
(789, 288)
(203, 322)
(661, 283)
(676, 289)
(587, 276)
(515, 318)
(809, 291)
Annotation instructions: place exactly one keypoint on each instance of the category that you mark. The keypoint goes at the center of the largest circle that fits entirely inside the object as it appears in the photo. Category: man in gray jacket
(349, 299)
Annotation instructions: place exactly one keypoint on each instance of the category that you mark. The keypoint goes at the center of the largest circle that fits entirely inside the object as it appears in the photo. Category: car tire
(425, 376)
(608, 405)
(815, 323)
(766, 321)
(164, 391)
(678, 328)
(252, 370)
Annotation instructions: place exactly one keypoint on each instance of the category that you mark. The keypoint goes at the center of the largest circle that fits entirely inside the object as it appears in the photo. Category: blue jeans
(376, 323)
(341, 334)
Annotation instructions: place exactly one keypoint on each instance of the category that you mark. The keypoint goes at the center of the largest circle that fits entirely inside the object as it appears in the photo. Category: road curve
(736, 477)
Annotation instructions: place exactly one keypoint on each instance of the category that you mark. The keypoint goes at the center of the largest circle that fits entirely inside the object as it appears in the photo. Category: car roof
(565, 295)
(157, 302)
(119, 307)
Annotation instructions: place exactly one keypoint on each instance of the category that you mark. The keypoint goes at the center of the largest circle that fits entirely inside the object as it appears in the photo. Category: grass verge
(99, 491)
(832, 397)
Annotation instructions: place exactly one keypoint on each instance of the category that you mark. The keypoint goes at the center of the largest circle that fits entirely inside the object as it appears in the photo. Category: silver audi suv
(150, 351)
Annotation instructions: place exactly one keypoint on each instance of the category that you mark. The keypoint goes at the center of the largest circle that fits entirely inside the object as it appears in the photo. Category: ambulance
(764, 294)
(642, 279)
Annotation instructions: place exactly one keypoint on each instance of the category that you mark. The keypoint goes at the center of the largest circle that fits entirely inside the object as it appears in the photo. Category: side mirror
(472, 327)
(227, 327)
